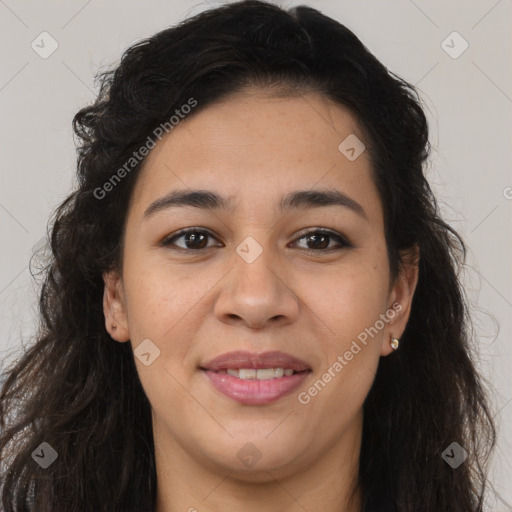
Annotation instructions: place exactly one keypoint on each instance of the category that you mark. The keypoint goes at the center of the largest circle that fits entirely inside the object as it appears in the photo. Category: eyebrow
(207, 199)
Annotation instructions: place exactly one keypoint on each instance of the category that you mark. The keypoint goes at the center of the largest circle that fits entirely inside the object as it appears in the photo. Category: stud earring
(114, 326)
(394, 343)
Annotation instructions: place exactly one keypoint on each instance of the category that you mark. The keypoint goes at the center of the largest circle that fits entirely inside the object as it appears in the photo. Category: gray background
(468, 101)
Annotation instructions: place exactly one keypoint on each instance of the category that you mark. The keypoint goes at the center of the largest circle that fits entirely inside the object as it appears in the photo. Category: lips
(252, 386)
(243, 359)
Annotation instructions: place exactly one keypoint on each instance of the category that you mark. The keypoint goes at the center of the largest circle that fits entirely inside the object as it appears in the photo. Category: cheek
(158, 296)
(159, 304)
(351, 305)
(350, 299)
(167, 304)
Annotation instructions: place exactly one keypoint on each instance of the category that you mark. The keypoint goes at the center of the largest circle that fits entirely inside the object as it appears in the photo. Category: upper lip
(244, 359)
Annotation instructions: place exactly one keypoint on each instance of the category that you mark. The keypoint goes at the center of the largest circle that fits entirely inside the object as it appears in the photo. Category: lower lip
(255, 392)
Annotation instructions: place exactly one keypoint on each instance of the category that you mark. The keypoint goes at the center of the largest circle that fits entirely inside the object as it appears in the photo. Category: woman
(252, 302)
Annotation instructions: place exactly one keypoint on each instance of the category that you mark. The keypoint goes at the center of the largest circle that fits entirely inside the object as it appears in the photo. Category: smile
(256, 379)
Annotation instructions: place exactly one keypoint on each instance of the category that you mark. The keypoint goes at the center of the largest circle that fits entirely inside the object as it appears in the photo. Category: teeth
(279, 372)
(265, 374)
(260, 374)
(249, 373)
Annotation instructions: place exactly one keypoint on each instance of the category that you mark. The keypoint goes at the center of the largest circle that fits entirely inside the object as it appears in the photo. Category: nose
(257, 294)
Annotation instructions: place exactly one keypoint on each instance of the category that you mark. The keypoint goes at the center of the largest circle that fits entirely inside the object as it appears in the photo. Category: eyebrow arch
(206, 199)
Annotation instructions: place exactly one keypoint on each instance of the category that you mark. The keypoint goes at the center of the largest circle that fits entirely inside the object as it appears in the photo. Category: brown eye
(319, 240)
(194, 239)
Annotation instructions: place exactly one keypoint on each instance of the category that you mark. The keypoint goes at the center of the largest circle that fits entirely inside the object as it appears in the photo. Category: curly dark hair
(80, 392)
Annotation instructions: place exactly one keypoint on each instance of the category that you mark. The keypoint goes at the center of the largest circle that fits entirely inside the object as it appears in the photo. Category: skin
(194, 306)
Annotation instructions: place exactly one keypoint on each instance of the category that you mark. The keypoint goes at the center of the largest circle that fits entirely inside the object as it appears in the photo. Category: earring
(114, 326)
(394, 343)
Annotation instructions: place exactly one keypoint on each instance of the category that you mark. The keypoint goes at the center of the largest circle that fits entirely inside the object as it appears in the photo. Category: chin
(253, 460)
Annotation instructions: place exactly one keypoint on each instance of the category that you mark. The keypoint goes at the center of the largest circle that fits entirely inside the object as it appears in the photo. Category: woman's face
(250, 278)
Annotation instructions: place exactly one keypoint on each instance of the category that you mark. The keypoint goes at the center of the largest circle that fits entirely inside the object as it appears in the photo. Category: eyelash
(343, 242)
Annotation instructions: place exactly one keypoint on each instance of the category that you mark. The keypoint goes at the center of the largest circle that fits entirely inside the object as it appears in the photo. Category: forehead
(254, 146)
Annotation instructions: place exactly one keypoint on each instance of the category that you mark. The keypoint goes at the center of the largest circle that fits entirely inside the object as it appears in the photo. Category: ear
(400, 298)
(114, 307)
